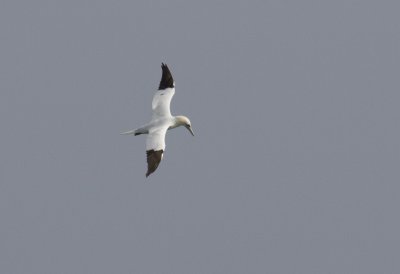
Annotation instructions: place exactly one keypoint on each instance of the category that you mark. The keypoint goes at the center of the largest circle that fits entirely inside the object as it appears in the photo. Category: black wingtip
(153, 160)
(166, 79)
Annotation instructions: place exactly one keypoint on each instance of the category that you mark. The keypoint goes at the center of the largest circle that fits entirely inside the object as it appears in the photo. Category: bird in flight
(161, 121)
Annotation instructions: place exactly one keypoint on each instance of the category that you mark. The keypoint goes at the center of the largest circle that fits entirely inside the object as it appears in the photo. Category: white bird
(161, 121)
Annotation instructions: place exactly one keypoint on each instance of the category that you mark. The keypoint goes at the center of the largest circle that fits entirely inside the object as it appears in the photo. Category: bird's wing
(162, 98)
(155, 146)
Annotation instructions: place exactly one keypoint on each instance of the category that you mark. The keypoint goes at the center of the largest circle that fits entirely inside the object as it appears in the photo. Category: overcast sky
(294, 167)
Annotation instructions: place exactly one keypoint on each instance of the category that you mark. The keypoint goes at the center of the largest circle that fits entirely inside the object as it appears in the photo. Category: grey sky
(294, 167)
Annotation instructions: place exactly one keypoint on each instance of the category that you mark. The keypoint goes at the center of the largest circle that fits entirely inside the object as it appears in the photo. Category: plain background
(294, 167)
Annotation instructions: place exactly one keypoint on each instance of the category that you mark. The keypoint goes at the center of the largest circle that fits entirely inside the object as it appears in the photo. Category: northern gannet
(161, 121)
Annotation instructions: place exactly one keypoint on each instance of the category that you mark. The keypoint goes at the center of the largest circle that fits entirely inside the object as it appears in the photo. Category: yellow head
(183, 121)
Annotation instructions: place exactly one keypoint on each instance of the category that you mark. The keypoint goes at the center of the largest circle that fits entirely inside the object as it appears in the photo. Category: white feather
(161, 103)
(156, 138)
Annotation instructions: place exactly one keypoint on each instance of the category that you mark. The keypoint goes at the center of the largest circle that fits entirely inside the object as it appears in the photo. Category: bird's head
(184, 121)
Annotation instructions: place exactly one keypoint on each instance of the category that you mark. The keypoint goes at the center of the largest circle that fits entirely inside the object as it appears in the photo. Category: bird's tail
(133, 131)
(138, 131)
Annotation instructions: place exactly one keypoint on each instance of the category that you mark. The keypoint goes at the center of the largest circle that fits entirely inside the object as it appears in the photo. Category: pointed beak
(190, 129)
